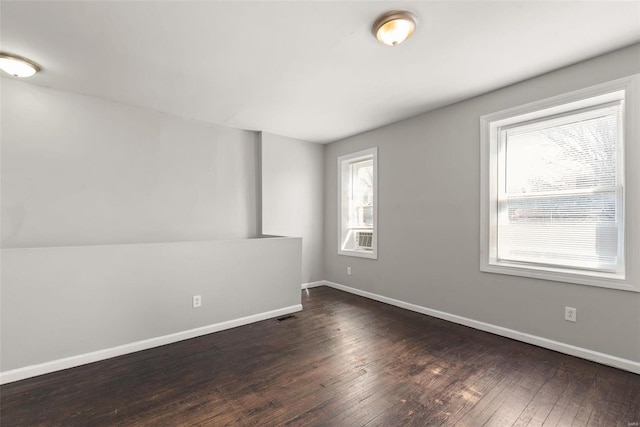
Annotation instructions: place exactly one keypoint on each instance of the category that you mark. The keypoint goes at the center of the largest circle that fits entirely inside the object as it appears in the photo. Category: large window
(357, 214)
(554, 189)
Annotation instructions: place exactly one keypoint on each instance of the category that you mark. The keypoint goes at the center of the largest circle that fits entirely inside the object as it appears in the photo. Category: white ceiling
(304, 69)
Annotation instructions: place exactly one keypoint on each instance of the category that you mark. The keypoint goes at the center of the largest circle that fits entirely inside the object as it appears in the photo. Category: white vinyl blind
(560, 190)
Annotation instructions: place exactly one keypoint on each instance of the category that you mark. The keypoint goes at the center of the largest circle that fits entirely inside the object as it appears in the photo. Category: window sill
(358, 254)
(601, 280)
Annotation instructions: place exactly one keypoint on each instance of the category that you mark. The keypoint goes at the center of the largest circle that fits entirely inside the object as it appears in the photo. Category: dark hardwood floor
(343, 361)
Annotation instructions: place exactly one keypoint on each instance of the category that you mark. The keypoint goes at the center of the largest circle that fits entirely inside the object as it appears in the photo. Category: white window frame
(626, 91)
(344, 184)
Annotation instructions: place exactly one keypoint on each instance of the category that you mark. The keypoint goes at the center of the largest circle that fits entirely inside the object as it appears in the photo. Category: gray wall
(292, 196)
(429, 209)
(96, 199)
(78, 170)
(63, 302)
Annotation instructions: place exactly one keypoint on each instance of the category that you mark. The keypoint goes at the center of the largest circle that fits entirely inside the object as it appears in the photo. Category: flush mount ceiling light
(17, 66)
(394, 27)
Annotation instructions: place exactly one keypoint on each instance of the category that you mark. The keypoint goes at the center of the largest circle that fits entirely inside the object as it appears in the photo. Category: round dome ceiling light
(394, 27)
(17, 66)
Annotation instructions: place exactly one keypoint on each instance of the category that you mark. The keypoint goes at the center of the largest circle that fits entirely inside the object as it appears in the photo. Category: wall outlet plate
(197, 301)
(570, 314)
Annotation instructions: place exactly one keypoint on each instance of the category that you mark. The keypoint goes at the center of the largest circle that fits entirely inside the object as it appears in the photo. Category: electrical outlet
(570, 314)
(348, 271)
(197, 301)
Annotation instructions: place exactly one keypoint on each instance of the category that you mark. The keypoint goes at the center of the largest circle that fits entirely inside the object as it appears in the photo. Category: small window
(357, 176)
(554, 189)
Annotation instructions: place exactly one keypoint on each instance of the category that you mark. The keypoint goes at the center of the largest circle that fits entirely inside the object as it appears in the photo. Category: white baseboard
(605, 359)
(313, 284)
(95, 356)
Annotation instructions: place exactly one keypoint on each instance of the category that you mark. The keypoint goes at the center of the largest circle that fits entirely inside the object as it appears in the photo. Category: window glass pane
(576, 155)
(361, 212)
(577, 231)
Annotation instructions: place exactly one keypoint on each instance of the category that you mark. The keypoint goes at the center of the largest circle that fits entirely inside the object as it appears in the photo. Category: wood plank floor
(343, 361)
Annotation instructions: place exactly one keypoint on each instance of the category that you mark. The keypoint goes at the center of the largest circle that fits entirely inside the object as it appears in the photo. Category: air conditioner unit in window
(364, 240)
